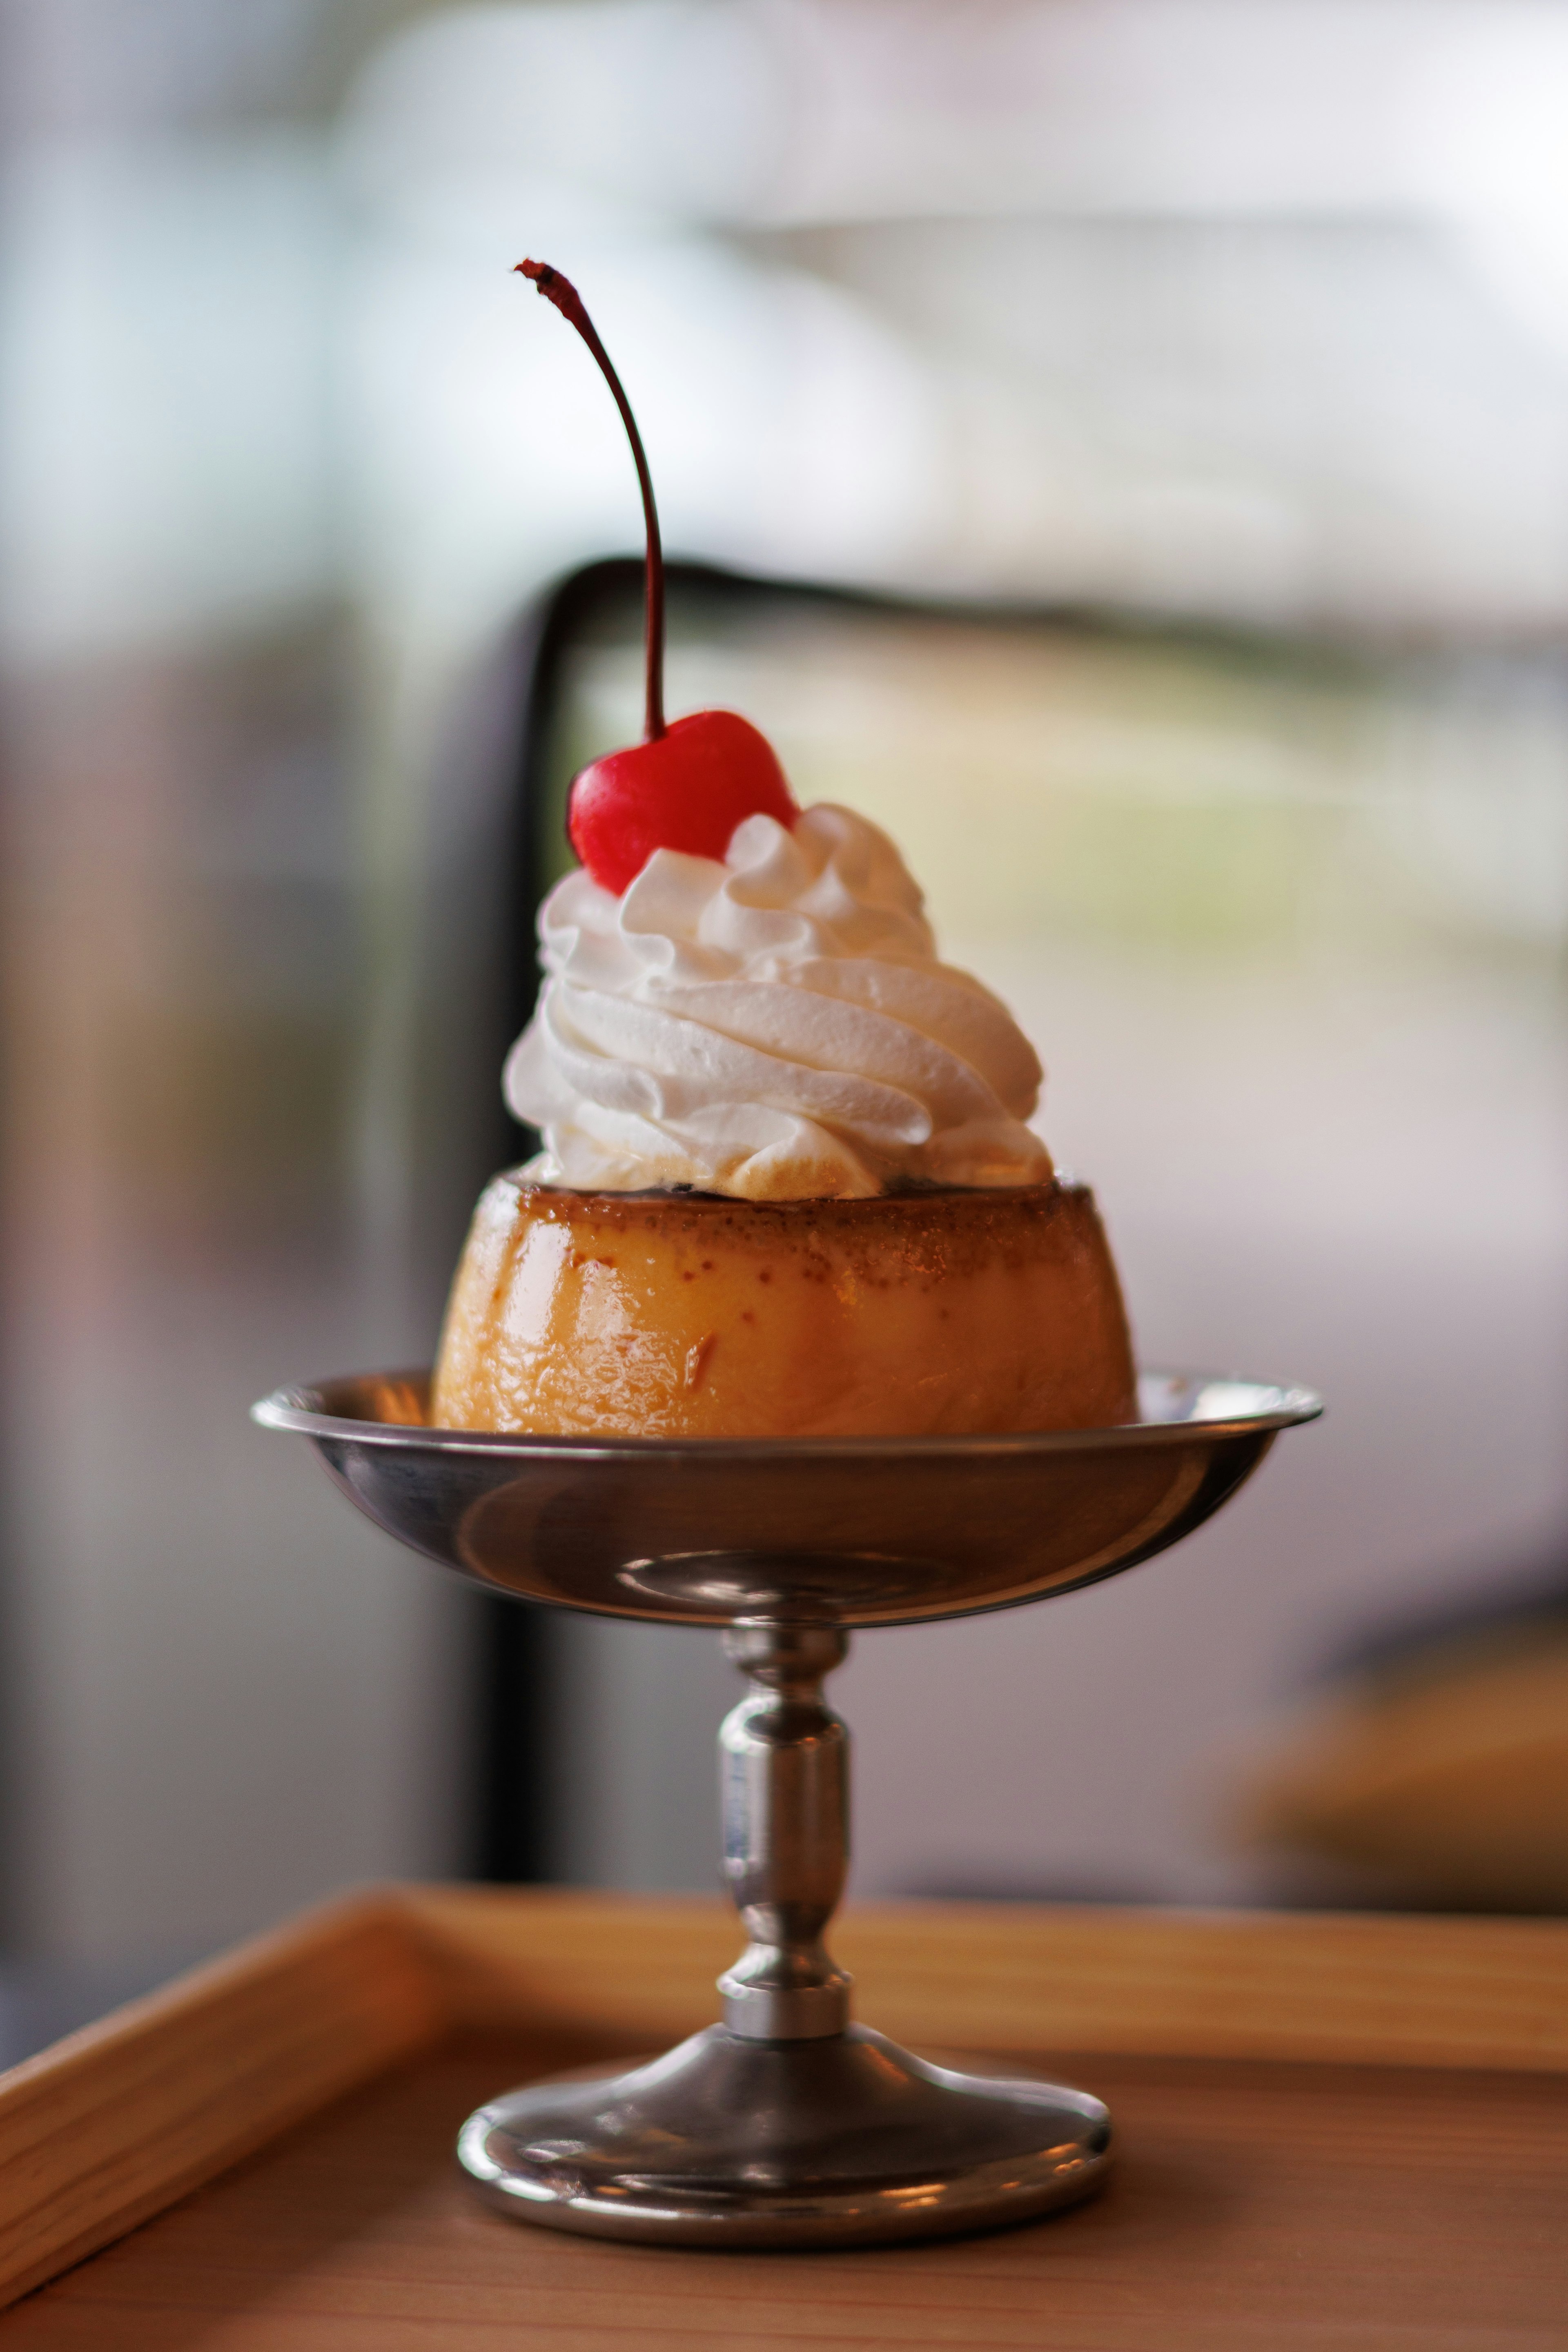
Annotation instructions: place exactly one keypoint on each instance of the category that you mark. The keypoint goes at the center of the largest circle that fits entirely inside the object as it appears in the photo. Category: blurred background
(1180, 387)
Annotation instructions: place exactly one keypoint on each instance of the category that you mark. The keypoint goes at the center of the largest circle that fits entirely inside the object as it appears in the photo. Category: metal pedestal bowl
(787, 2125)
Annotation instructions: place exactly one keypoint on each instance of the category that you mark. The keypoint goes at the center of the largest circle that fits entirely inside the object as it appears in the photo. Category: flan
(681, 1313)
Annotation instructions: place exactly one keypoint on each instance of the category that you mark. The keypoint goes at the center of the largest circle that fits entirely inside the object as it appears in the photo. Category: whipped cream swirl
(777, 1027)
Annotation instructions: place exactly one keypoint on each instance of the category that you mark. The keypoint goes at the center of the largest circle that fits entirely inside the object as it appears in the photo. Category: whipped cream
(777, 1027)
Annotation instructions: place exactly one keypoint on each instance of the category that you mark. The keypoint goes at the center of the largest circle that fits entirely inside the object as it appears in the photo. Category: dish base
(728, 2141)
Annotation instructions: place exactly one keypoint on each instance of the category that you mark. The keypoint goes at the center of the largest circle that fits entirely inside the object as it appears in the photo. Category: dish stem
(784, 1782)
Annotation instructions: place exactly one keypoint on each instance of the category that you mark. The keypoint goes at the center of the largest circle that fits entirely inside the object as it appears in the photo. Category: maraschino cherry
(686, 786)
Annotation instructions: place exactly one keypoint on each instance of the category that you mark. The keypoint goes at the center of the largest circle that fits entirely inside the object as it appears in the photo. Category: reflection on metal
(846, 1531)
(845, 2140)
(787, 2125)
(784, 1761)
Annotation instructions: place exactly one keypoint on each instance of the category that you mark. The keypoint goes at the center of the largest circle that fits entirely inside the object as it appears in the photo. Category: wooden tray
(1345, 2131)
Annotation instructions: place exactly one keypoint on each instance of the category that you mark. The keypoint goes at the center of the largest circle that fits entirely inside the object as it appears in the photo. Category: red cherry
(686, 786)
(688, 789)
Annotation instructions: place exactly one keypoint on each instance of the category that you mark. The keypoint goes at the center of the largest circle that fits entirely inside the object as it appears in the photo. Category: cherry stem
(568, 301)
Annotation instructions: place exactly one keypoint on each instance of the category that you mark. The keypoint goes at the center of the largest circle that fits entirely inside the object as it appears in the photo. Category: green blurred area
(1169, 793)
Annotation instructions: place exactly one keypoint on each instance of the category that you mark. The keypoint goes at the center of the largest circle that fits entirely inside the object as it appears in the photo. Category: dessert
(655, 1314)
(787, 1186)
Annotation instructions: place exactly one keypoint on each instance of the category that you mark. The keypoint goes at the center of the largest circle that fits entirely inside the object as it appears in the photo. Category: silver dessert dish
(787, 2125)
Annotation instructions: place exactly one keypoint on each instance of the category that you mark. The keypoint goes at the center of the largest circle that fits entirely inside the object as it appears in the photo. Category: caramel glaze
(689, 1315)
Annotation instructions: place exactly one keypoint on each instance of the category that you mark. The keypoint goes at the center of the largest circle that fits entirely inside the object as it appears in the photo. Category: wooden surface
(1258, 2209)
(123, 2120)
(115, 2121)
(1300, 1985)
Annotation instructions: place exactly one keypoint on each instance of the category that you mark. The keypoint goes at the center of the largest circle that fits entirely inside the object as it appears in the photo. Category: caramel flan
(683, 1315)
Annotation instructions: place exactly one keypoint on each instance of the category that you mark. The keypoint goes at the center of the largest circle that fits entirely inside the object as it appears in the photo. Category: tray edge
(117, 2121)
